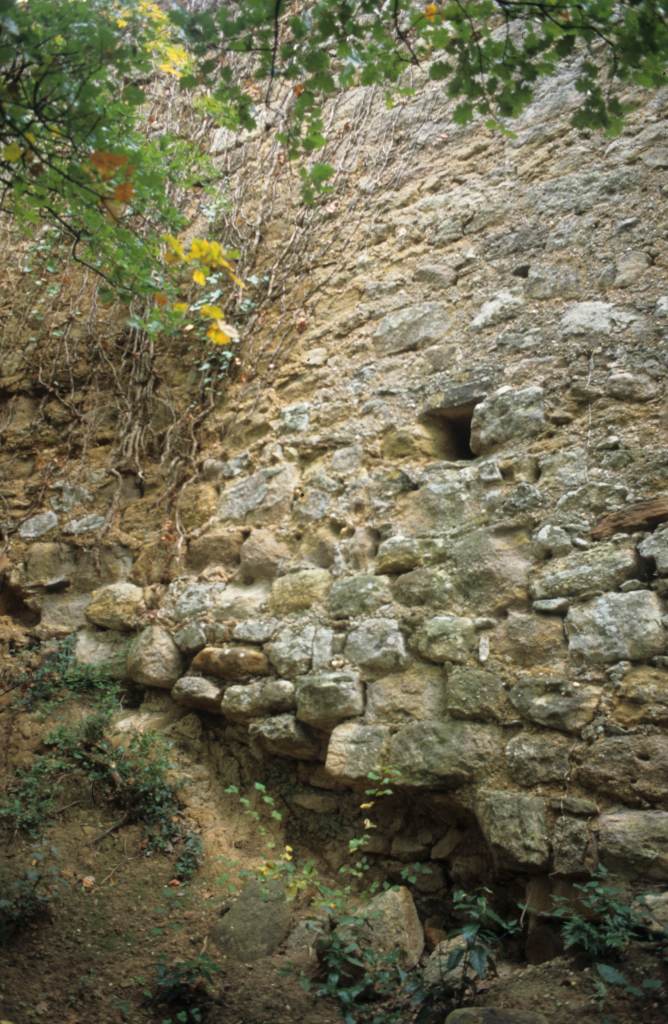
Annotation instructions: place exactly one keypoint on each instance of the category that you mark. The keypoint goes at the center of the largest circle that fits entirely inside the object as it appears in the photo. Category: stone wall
(426, 530)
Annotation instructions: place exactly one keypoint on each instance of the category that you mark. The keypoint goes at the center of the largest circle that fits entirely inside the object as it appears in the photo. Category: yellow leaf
(199, 277)
(180, 307)
(217, 336)
(175, 246)
(430, 11)
(213, 312)
(12, 153)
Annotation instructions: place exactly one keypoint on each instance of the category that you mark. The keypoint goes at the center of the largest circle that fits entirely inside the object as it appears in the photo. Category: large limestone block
(398, 554)
(585, 573)
(556, 703)
(446, 754)
(198, 693)
(394, 925)
(505, 415)
(299, 591)
(633, 768)
(358, 595)
(544, 758)
(326, 698)
(231, 662)
(258, 699)
(263, 497)
(635, 843)
(106, 651)
(492, 570)
(515, 826)
(478, 694)
(117, 606)
(617, 627)
(528, 640)
(643, 697)
(355, 749)
(48, 564)
(414, 695)
(445, 638)
(215, 602)
(154, 659)
(285, 736)
(291, 653)
(410, 328)
(376, 646)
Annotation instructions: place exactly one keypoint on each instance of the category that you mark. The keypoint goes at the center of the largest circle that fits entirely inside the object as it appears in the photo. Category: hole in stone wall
(14, 607)
(452, 428)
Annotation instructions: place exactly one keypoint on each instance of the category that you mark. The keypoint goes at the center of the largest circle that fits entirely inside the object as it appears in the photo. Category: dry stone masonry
(395, 549)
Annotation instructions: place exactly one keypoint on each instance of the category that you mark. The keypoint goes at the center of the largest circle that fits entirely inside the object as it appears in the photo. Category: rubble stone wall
(429, 531)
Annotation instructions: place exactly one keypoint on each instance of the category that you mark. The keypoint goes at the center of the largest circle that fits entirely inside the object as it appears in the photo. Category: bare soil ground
(116, 913)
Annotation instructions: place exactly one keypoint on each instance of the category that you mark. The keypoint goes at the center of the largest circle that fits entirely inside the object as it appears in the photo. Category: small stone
(198, 693)
(38, 525)
(258, 699)
(255, 631)
(261, 556)
(358, 595)
(631, 267)
(233, 662)
(410, 328)
(552, 606)
(501, 307)
(445, 638)
(377, 646)
(395, 926)
(588, 318)
(85, 525)
(507, 414)
(436, 974)
(552, 541)
(216, 547)
(655, 547)
(300, 590)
